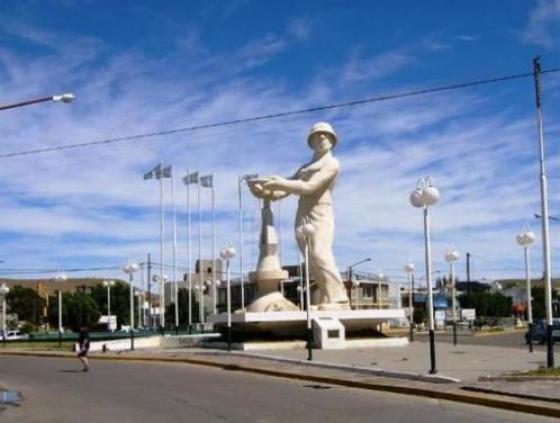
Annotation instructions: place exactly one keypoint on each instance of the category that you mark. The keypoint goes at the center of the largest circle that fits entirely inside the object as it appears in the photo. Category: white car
(13, 335)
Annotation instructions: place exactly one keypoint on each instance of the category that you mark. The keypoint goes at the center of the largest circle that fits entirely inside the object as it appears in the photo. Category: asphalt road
(510, 339)
(54, 391)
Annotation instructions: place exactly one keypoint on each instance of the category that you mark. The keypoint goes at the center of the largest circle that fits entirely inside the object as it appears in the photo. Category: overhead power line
(276, 115)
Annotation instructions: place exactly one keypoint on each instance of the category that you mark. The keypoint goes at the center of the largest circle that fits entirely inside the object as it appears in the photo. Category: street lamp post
(108, 285)
(525, 239)
(129, 269)
(350, 268)
(304, 232)
(423, 196)
(227, 254)
(60, 278)
(452, 255)
(409, 269)
(62, 98)
(544, 213)
(4, 290)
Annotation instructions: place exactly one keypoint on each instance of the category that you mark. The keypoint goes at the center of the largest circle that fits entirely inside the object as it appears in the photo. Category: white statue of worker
(313, 182)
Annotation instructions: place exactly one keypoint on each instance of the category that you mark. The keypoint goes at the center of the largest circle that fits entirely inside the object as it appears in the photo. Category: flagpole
(241, 242)
(175, 285)
(280, 232)
(161, 254)
(189, 271)
(200, 278)
(214, 296)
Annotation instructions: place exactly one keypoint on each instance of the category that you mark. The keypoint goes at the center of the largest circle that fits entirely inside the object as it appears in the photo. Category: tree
(183, 296)
(120, 301)
(27, 304)
(537, 293)
(78, 310)
(487, 304)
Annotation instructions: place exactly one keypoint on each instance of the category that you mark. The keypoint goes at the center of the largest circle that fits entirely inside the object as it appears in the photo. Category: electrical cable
(232, 122)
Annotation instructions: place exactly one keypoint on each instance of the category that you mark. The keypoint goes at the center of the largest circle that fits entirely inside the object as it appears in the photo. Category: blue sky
(144, 66)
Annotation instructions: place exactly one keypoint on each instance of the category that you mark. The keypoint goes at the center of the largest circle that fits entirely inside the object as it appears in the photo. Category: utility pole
(544, 213)
(149, 290)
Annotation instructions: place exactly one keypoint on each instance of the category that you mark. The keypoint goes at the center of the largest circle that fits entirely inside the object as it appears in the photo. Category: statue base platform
(293, 323)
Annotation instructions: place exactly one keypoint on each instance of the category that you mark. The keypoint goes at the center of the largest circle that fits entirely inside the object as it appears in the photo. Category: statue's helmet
(325, 128)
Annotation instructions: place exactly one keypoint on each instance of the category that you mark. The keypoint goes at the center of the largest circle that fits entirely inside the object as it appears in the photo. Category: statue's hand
(256, 189)
(275, 182)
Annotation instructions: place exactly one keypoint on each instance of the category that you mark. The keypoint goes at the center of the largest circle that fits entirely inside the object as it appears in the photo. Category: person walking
(83, 345)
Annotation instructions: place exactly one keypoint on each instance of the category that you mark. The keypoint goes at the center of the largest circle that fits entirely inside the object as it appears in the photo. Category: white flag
(191, 178)
(153, 173)
(207, 181)
(166, 172)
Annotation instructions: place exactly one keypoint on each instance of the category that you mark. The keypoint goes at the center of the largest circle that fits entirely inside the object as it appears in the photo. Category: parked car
(12, 335)
(539, 331)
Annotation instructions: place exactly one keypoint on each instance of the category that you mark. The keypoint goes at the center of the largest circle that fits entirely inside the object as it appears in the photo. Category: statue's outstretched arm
(319, 180)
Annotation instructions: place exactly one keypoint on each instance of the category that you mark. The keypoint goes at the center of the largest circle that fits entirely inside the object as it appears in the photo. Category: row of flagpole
(160, 172)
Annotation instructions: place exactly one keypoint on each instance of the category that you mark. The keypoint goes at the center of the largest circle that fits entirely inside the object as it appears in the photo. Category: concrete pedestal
(293, 323)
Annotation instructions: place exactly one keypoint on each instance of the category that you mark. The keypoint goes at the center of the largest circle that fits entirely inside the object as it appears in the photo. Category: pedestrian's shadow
(69, 371)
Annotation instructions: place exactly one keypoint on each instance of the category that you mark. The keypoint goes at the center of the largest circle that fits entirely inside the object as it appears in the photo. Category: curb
(356, 369)
(511, 394)
(460, 397)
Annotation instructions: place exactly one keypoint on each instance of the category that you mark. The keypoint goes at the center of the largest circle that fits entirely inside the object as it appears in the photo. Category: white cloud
(543, 28)
(92, 206)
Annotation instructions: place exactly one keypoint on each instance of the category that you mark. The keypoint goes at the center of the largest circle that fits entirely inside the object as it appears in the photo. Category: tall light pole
(4, 290)
(159, 172)
(409, 270)
(61, 98)
(227, 254)
(129, 268)
(108, 285)
(423, 196)
(240, 181)
(305, 232)
(175, 282)
(544, 213)
(188, 179)
(350, 268)
(208, 182)
(451, 256)
(525, 239)
(60, 277)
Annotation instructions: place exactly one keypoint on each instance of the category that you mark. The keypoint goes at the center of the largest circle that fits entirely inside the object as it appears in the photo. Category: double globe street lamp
(424, 196)
(525, 239)
(451, 256)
